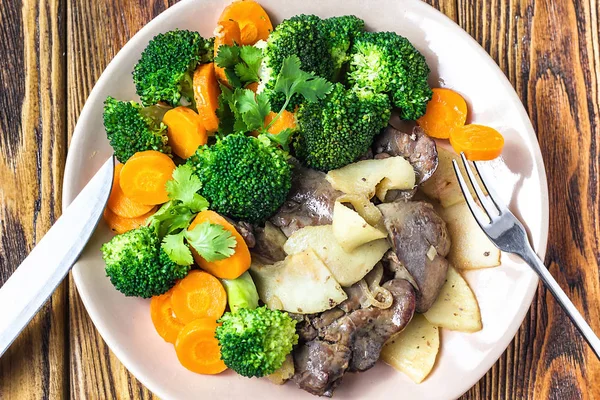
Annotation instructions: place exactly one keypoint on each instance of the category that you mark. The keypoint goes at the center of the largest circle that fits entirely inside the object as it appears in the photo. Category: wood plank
(96, 31)
(32, 148)
(549, 51)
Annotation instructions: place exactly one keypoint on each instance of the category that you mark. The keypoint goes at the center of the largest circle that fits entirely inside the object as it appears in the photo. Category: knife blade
(32, 283)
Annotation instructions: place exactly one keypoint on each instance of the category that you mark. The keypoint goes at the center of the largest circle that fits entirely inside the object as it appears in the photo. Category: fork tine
(487, 205)
(475, 210)
(493, 194)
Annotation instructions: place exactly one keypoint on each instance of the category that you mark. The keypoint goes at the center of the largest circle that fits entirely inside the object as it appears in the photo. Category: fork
(508, 234)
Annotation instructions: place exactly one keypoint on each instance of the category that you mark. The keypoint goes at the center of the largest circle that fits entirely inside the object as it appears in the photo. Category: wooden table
(53, 51)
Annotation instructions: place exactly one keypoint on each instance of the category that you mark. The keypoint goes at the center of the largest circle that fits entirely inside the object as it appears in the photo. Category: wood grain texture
(548, 49)
(33, 149)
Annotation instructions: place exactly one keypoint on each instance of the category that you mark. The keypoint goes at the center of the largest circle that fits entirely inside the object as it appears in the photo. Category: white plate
(504, 293)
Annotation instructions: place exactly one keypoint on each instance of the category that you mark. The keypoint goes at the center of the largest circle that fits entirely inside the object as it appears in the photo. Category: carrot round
(227, 33)
(122, 205)
(185, 131)
(253, 20)
(143, 177)
(120, 225)
(206, 94)
(165, 322)
(231, 267)
(198, 295)
(478, 142)
(446, 111)
(197, 348)
(252, 86)
(286, 120)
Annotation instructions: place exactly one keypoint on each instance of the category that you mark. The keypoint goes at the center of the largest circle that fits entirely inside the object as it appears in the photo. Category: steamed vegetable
(226, 34)
(241, 292)
(340, 32)
(165, 322)
(206, 95)
(478, 142)
(197, 348)
(144, 176)
(164, 70)
(198, 295)
(122, 205)
(385, 62)
(255, 343)
(119, 224)
(351, 230)
(252, 19)
(337, 130)
(446, 111)
(243, 177)
(137, 266)
(185, 130)
(131, 128)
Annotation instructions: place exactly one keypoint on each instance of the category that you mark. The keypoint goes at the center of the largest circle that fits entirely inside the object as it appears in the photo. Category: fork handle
(561, 297)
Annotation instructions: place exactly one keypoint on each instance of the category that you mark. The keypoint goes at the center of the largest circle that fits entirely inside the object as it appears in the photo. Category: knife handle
(34, 281)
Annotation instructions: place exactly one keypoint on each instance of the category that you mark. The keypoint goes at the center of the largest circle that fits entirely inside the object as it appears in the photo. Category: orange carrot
(228, 268)
(185, 131)
(478, 142)
(286, 120)
(253, 20)
(252, 86)
(120, 225)
(165, 322)
(198, 295)
(144, 176)
(446, 111)
(122, 205)
(206, 94)
(197, 348)
(227, 33)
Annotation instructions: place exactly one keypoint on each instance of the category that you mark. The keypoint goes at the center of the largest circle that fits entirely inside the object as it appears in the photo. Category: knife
(32, 283)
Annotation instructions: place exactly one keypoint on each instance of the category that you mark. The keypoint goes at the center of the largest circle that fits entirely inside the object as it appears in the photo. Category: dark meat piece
(375, 325)
(320, 366)
(352, 342)
(310, 201)
(269, 243)
(418, 148)
(247, 231)
(354, 300)
(306, 332)
(413, 227)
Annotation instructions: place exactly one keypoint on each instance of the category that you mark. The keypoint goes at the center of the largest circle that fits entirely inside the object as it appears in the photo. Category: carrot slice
(252, 86)
(227, 33)
(122, 205)
(185, 131)
(144, 176)
(285, 121)
(165, 322)
(228, 268)
(198, 295)
(478, 142)
(206, 94)
(197, 348)
(446, 111)
(253, 20)
(120, 225)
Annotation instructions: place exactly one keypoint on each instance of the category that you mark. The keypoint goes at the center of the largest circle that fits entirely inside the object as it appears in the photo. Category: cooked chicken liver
(413, 228)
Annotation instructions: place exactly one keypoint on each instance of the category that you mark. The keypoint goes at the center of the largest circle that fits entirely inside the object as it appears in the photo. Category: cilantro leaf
(282, 138)
(171, 218)
(212, 241)
(225, 113)
(227, 56)
(292, 79)
(177, 250)
(251, 58)
(184, 186)
(253, 108)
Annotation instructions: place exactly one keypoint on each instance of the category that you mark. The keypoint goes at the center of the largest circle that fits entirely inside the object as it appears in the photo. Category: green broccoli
(340, 31)
(303, 36)
(385, 62)
(337, 130)
(255, 343)
(165, 69)
(131, 128)
(137, 266)
(243, 177)
(241, 292)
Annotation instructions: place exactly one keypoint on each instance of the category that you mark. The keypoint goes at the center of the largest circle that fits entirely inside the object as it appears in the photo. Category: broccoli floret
(340, 31)
(131, 128)
(385, 62)
(164, 71)
(301, 35)
(137, 266)
(337, 130)
(243, 177)
(254, 343)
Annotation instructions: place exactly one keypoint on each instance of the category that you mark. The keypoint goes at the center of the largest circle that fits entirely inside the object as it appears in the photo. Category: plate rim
(540, 247)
